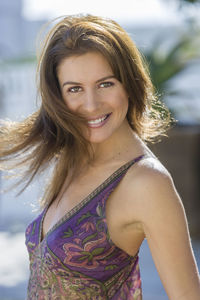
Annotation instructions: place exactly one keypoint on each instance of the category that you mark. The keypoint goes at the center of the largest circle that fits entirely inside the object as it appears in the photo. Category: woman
(108, 191)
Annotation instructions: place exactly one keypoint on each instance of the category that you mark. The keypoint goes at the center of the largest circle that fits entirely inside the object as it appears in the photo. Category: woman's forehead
(89, 65)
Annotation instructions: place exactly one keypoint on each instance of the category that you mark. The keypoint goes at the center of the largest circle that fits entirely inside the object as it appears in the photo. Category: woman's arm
(159, 210)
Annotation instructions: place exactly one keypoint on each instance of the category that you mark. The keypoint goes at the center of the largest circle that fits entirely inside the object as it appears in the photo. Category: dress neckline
(86, 199)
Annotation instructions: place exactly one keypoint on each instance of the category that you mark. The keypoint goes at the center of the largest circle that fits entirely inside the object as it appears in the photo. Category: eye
(74, 89)
(106, 84)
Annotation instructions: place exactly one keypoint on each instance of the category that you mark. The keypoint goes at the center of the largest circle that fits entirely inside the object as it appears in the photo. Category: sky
(138, 11)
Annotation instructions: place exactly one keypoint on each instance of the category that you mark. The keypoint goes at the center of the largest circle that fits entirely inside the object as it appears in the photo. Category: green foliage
(19, 60)
(190, 1)
(182, 3)
(165, 65)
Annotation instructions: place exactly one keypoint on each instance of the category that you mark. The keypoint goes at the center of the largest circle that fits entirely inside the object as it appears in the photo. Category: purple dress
(77, 258)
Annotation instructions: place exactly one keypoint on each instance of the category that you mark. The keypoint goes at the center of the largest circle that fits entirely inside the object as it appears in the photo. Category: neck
(118, 147)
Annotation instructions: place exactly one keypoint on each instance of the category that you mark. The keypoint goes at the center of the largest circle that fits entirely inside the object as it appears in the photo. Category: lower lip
(100, 124)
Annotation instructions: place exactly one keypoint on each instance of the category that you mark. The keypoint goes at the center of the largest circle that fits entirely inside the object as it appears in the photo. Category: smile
(99, 121)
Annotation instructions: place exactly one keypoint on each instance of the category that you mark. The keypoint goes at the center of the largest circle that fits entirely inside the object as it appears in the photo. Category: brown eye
(106, 84)
(74, 89)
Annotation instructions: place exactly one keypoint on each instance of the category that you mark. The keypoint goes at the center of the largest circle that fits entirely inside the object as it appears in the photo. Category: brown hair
(53, 133)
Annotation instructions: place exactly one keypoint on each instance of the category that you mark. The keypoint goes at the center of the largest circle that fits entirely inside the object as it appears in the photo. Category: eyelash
(107, 83)
(77, 88)
(70, 90)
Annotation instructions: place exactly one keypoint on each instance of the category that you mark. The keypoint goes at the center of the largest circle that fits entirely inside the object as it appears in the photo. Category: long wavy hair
(52, 135)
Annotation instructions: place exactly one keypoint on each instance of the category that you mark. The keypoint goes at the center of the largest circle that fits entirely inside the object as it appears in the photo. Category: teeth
(97, 121)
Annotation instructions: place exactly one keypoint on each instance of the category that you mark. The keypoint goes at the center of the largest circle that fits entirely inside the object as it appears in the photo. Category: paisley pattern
(77, 259)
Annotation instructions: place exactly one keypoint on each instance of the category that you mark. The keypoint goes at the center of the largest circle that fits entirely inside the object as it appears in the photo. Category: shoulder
(149, 190)
(148, 174)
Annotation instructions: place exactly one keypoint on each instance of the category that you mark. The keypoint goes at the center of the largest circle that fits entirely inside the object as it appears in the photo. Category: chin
(97, 139)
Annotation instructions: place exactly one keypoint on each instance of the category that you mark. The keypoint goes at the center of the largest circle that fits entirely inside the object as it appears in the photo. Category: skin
(151, 206)
(93, 96)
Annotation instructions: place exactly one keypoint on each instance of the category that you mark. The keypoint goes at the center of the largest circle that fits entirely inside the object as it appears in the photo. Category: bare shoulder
(149, 188)
(148, 174)
(148, 169)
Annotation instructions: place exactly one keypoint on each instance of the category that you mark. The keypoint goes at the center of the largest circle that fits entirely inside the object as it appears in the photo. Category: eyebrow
(78, 83)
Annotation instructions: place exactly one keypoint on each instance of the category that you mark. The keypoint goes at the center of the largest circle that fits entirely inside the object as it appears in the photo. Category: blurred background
(168, 34)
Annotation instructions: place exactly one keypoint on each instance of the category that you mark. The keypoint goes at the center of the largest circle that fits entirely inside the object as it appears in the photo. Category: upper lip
(98, 117)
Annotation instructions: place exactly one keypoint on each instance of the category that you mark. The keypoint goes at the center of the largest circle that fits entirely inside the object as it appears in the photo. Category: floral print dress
(77, 258)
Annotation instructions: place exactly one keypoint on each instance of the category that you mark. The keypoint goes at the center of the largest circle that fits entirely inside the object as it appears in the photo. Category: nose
(91, 102)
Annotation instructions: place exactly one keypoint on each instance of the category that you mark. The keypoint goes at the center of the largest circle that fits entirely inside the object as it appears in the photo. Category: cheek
(122, 103)
(121, 98)
(72, 106)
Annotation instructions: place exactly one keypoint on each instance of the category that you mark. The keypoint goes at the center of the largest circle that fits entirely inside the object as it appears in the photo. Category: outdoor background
(168, 34)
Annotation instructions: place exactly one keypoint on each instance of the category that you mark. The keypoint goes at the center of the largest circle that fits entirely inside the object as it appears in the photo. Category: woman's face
(90, 88)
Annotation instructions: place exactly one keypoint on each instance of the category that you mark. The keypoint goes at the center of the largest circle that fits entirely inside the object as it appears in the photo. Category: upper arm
(158, 207)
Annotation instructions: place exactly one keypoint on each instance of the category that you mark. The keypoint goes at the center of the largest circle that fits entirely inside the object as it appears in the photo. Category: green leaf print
(89, 237)
(84, 217)
(68, 233)
(87, 256)
(84, 257)
(33, 229)
(111, 267)
(97, 251)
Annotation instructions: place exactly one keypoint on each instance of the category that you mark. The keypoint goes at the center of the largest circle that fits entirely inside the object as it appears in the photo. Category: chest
(77, 192)
(111, 199)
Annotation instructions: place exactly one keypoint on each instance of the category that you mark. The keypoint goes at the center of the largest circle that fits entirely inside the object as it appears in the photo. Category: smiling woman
(108, 191)
(98, 95)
